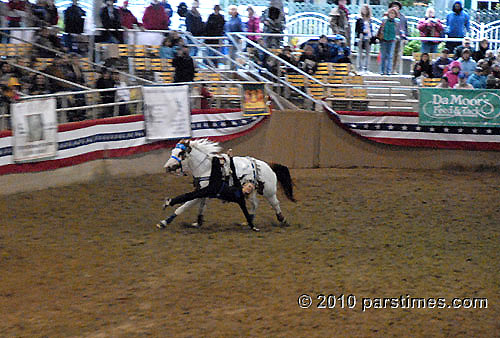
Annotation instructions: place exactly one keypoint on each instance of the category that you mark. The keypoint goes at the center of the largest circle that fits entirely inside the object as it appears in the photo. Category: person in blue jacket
(342, 50)
(457, 23)
(478, 79)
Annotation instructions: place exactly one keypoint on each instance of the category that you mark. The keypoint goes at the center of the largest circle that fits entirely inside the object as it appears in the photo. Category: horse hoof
(255, 229)
(161, 225)
(195, 225)
(284, 223)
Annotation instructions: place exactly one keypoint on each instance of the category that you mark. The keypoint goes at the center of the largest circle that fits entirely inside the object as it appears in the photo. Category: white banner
(34, 125)
(166, 112)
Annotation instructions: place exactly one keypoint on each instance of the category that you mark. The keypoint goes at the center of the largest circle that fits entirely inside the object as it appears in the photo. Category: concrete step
(382, 83)
(394, 108)
(404, 80)
(387, 95)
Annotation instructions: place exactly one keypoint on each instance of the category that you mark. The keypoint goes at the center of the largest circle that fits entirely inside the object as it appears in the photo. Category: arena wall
(297, 139)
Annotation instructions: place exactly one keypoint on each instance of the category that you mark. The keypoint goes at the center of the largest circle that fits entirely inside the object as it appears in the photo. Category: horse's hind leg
(275, 203)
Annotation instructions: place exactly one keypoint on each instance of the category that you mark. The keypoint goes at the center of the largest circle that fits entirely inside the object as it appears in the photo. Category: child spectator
(439, 66)
(467, 63)
(366, 37)
(388, 33)
(430, 27)
(452, 74)
(443, 83)
(423, 68)
(478, 79)
(167, 49)
(462, 82)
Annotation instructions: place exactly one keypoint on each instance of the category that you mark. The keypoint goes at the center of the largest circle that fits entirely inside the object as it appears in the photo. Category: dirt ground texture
(86, 260)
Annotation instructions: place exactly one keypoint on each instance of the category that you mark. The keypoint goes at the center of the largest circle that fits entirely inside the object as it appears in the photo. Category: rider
(219, 188)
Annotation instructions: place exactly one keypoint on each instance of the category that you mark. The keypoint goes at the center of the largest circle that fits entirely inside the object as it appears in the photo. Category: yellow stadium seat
(430, 82)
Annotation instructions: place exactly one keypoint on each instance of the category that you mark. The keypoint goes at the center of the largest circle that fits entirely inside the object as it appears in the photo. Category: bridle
(186, 149)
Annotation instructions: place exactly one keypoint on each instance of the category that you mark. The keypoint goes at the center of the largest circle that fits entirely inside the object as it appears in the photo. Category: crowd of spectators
(479, 68)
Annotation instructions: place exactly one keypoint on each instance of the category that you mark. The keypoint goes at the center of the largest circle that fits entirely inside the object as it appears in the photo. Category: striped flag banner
(403, 129)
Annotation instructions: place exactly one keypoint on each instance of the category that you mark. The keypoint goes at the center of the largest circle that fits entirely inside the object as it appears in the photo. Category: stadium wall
(297, 139)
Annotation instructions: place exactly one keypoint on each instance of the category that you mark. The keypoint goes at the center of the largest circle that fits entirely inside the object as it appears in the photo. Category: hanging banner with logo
(34, 126)
(166, 112)
(459, 107)
(254, 100)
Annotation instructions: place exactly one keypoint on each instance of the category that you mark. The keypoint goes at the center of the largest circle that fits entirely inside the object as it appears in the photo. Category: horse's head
(177, 155)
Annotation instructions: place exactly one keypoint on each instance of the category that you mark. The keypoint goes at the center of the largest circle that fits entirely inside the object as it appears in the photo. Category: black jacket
(214, 27)
(113, 22)
(74, 18)
(184, 68)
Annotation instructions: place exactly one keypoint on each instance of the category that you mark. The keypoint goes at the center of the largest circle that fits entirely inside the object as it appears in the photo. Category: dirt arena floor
(86, 260)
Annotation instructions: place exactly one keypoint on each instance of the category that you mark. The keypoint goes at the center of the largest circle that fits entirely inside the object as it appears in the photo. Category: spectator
(194, 25)
(215, 27)
(122, 95)
(11, 90)
(443, 83)
(111, 21)
(74, 19)
(430, 27)
(259, 56)
(184, 66)
(106, 81)
(168, 10)
(489, 57)
(478, 79)
(40, 87)
(452, 74)
(387, 34)
(365, 37)
(457, 24)
(439, 66)
(49, 39)
(253, 24)
(52, 13)
(6, 73)
(155, 17)
(128, 19)
(234, 24)
(323, 50)
(493, 79)
(459, 49)
(341, 53)
(16, 13)
(400, 38)
(273, 20)
(467, 63)
(205, 97)
(167, 49)
(308, 61)
(462, 82)
(423, 68)
(339, 20)
(39, 12)
(481, 52)
(286, 55)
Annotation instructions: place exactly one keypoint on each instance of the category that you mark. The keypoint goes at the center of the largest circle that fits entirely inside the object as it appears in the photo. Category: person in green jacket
(387, 34)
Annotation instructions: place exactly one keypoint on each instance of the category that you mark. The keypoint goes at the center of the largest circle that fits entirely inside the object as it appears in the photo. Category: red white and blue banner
(403, 129)
(84, 141)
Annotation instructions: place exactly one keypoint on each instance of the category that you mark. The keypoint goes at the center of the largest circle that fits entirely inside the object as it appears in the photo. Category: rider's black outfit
(219, 188)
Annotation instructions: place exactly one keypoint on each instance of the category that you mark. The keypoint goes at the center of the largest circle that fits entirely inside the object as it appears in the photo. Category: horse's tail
(283, 175)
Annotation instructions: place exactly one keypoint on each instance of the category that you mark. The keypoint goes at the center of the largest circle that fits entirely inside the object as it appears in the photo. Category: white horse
(195, 156)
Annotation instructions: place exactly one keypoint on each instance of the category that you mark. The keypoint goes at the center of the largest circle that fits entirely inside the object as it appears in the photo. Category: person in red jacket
(155, 17)
(452, 74)
(128, 19)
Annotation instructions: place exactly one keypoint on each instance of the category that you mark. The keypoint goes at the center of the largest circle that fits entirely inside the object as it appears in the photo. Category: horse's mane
(206, 146)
